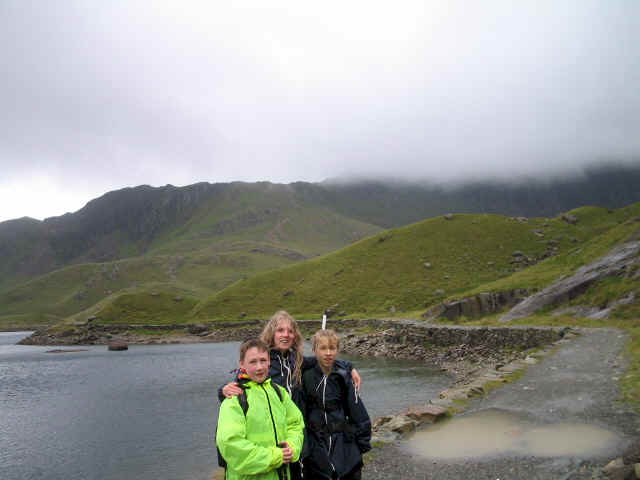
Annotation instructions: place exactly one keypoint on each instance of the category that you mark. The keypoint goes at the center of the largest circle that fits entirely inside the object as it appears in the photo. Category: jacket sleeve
(344, 365)
(359, 418)
(308, 362)
(241, 454)
(295, 426)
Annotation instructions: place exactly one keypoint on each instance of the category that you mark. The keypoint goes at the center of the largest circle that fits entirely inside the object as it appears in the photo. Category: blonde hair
(269, 331)
(330, 335)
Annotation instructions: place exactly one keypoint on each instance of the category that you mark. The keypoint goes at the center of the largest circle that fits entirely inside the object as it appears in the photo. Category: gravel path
(575, 384)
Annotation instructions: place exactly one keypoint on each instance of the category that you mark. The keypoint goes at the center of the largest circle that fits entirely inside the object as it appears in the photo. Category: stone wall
(395, 332)
(496, 337)
(457, 349)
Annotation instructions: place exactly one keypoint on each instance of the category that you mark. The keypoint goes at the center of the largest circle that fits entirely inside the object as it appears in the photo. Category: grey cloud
(121, 93)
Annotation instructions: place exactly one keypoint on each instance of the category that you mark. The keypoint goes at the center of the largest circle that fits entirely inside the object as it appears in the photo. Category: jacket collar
(252, 384)
(337, 370)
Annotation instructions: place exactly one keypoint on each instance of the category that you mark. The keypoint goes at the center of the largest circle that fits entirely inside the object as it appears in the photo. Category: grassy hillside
(410, 268)
(619, 226)
(54, 296)
(167, 221)
(228, 239)
(467, 255)
(600, 231)
(136, 221)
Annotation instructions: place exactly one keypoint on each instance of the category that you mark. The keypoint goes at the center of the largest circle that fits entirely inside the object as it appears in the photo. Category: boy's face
(326, 352)
(256, 363)
(283, 336)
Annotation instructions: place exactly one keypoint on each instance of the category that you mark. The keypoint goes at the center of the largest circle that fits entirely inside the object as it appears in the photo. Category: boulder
(384, 436)
(380, 422)
(331, 311)
(613, 466)
(197, 328)
(401, 424)
(117, 345)
(425, 413)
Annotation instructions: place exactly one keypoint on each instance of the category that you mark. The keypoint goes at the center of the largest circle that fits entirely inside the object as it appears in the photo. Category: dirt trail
(576, 384)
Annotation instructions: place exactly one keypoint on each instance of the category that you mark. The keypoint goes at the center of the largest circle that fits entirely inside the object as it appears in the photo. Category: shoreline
(461, 351)
(472, 367)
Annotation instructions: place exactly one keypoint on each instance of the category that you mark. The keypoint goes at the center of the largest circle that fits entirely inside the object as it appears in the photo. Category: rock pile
(458, 359)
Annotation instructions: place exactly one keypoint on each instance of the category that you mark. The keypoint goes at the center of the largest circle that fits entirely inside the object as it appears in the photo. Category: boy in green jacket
(263, 441)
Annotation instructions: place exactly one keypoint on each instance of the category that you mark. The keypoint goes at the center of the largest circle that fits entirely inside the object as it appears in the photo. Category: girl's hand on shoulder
(357, 380)
(231, 390)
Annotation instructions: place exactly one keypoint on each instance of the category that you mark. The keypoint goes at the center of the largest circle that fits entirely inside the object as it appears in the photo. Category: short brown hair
(252, 343)
(329, 334)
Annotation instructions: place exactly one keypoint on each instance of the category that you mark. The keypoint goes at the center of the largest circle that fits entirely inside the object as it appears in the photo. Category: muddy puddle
(498, 432)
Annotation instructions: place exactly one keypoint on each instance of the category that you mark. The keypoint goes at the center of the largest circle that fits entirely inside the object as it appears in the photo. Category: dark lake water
(148, 413)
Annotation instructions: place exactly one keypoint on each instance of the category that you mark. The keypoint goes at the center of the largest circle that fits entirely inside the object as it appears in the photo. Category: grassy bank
(412, 268)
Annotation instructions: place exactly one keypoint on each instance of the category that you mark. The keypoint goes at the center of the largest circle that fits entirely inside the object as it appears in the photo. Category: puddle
(498, 432)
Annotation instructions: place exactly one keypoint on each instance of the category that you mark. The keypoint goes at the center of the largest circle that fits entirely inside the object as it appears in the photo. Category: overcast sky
(97, 96)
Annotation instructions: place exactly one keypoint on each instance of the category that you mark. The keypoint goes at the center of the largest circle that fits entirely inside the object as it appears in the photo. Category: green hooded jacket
(249, 443)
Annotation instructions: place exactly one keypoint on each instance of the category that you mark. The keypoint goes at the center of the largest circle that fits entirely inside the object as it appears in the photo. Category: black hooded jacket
(338, 428)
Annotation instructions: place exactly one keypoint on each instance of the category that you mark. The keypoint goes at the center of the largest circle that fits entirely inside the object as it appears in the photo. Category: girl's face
(326, 352)
(283, 336)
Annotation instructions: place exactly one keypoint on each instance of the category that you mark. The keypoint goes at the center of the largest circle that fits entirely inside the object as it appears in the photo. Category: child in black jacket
(338, 428)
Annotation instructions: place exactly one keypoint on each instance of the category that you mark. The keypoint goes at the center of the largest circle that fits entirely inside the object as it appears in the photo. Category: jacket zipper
(323, 382)
(275, 432)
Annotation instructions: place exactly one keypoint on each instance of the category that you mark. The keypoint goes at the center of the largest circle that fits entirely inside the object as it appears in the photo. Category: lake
(147, 413)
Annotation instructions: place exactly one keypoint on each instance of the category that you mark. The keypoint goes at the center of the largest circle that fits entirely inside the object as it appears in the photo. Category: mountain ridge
(203, 237)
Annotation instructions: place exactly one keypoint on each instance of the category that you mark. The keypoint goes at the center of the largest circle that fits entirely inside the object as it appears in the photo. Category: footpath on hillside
(577, 384)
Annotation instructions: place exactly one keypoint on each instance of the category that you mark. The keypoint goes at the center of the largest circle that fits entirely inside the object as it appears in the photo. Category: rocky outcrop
(596, 311)
(615, 262)
(478, 305)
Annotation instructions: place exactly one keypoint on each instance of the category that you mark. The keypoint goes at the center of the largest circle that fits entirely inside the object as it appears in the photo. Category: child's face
(256, 363)
(283, 336)
(326, 352)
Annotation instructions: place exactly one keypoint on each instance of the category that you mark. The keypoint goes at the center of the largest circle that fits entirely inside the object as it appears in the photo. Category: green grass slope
(411, 268)
(59, 294)
(598, 230)
(610, 229)
(228, 239)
